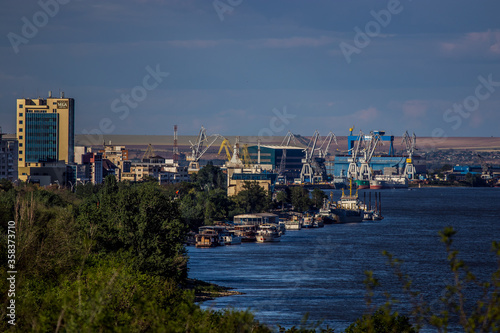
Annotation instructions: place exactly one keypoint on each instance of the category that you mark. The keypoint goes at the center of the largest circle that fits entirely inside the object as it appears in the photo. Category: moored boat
(207, 238)
(247, 232)
(267, 233)
(293, 224)
(231, 238)
(362, 184)
(307, 222)
(388, 182)
(349, 208)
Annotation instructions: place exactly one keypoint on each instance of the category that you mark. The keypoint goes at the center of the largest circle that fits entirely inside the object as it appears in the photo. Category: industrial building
(45, 134)
(380, 164)
(273, 155)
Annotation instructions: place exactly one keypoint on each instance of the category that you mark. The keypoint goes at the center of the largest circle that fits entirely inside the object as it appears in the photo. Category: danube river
(321, 271)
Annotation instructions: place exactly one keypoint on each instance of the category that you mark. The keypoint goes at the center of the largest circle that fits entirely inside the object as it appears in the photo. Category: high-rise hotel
(46, 136)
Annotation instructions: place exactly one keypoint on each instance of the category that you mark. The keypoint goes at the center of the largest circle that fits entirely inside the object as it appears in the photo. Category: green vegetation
(300, 199)
(106, 258)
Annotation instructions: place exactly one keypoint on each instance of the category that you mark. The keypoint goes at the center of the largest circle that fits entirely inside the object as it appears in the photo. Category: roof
(256, 215)
(108, 165)
(280, 147)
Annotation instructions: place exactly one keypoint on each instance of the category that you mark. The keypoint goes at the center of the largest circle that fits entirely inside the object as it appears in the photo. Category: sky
(257, 67)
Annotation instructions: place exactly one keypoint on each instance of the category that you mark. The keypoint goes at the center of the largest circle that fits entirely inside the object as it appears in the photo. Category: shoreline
(206, 291)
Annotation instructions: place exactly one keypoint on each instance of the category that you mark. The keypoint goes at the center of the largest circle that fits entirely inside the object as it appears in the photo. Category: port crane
(370, 144)
(307, 172)
(485, 167)
(199, 147)
(410, 145)
(313, 168)
(150, 152)
(285, 143)
(352, 171)
(227, 146)
(323, 150)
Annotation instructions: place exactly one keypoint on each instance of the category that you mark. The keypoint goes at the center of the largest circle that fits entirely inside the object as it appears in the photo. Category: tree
(210, 177)
(283, 196)
(253, 198)
(300, 198)
(318, 197)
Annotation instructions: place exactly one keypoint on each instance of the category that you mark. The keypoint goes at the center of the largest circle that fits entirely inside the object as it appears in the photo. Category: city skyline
(257, 68)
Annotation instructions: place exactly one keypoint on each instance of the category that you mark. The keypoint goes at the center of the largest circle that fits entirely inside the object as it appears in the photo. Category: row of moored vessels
(220, 235)
(348, 209)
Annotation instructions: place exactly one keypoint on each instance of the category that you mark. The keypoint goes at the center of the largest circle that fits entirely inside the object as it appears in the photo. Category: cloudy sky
(257, 67)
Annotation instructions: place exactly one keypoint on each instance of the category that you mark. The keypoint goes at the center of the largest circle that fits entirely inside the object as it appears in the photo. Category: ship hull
(362, 184)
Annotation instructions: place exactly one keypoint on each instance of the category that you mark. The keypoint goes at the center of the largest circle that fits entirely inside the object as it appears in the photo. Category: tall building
(8, 158)
(46, 137)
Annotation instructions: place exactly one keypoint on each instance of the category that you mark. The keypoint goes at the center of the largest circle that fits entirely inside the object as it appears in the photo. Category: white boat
(307, 222)
(231, 239)
(267, 233)
(388, 181)
(292, 225)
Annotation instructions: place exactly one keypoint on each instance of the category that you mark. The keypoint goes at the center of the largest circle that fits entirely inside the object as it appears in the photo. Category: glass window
(20, 137)
(20, 114)
(20, 122)
(20, 130)
(20, 106)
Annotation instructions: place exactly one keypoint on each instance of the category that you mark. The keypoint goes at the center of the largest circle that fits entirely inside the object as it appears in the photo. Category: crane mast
(352, 172)
(410, 143)
(285, 143)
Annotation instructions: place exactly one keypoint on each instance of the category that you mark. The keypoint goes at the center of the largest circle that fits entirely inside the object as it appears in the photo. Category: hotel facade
(46, 138)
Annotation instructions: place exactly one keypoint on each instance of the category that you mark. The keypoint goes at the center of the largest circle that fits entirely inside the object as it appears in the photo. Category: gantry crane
(227, 146)
(285, 143)
(313, 168)
(247, 160)
(199, 148)
(352, 171)
(410, 145)
(370, 144)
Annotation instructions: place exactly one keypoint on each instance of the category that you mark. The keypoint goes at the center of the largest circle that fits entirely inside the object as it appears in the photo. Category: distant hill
(423, 143)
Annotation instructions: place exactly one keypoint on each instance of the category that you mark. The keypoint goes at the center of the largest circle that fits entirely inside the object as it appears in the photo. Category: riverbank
(206, 291)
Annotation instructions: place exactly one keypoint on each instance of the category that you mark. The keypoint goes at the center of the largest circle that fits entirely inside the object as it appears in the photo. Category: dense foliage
(106, 258)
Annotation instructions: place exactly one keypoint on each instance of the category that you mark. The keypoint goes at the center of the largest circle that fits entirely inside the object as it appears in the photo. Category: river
(321, 271)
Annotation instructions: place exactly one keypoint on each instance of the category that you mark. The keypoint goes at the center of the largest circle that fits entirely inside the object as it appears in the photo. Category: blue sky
(257, 67)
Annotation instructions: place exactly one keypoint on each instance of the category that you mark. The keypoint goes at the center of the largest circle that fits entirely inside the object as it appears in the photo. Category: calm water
(321, 271)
